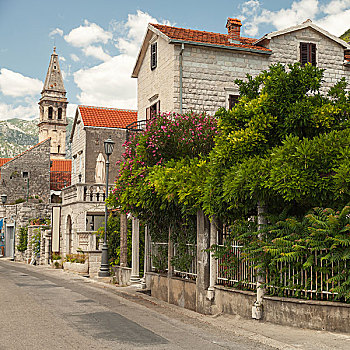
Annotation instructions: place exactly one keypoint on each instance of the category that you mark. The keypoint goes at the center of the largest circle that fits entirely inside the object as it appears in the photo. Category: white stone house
(83, 202)
(181, 70)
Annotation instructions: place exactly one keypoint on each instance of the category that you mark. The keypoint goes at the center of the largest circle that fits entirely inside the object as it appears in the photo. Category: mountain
(346, 36)
(17, 135)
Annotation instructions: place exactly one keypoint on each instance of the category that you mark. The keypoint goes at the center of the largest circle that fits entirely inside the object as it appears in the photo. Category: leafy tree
(281, 112)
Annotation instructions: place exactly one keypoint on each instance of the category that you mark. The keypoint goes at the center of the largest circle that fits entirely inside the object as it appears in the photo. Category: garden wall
(175, 291)
(319, 315)
(121, 275)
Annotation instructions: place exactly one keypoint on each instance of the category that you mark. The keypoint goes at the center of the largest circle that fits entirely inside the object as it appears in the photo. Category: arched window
(50, 112)
(59, 115)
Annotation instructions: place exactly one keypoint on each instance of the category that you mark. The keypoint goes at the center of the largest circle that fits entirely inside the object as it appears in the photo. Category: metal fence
(187, 261)
(288, 279)
(235, 270)
(159, 257)
(184, 259)
(292, 279)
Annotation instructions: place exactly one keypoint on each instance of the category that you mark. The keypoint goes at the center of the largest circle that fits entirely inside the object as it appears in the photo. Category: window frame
(307, 53)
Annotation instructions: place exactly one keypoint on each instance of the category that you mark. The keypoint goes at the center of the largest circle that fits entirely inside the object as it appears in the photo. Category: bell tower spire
(53, 107)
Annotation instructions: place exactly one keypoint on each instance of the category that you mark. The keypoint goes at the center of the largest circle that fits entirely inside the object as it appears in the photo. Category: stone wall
(32, 165)
(20, 215)
(157, 84)
(94, 145)
(78, 151)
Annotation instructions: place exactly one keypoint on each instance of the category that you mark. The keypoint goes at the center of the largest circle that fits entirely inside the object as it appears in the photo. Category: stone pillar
(47, 247)
(202, 283)
(135, 268)
(123, 240)
(257, 309)
(147, 258)
(212, 261)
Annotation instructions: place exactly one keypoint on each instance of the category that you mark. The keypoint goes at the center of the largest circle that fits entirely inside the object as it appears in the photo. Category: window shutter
(153, 56)
(158, 107)
(313, 54)
(148, 113)
(303, 53)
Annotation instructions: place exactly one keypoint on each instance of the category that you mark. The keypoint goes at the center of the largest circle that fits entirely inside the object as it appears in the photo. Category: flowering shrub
(168, 137)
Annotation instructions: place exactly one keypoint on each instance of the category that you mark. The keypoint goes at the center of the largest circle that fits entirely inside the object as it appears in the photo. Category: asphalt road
(42, 309)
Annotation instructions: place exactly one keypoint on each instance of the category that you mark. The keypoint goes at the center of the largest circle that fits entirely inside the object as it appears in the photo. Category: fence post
(257, 309)
(123, 240)
(135, 268)
(170, 266)
(202, 282)
(213, 262)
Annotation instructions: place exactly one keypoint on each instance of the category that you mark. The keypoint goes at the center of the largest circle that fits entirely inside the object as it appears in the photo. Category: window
(50, 112)
(58, 148)
(153, 56)
(153, 110)
(232, 100)
(59, 115)
(25, 174)
(307, 53)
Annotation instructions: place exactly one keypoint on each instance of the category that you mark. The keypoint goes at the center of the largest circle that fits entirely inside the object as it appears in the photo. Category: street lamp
(3, 202)
(104, 269)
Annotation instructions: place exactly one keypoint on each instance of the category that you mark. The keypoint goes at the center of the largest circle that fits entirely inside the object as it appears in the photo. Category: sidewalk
(276, 336)
(279, 337)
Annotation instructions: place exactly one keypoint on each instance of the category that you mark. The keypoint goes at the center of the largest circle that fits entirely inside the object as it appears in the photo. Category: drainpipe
(181, 74)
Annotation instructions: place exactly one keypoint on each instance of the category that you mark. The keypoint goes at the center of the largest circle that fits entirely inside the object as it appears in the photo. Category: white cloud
(333, 16)
(16, 85)
(74, 57)
(135, 29)
(87, 34)
(28, 111)
(56, 31)
(97, 52)
(110, 84)
(63, 59)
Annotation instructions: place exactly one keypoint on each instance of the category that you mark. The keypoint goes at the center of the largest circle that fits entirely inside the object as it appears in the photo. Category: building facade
(181, 70)
(83, 203)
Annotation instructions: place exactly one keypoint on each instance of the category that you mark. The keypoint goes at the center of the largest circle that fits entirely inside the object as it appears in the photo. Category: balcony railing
(134, 128)
(82, 192)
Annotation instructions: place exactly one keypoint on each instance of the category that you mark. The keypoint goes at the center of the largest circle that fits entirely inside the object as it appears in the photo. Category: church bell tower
(53, 107)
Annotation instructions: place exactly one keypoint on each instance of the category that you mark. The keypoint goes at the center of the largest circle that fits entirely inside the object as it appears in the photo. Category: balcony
(82, 192)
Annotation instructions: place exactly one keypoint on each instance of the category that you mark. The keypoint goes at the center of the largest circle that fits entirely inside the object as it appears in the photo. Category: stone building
(83, 206)
(27, 175)
(52, 107)
(181, 70)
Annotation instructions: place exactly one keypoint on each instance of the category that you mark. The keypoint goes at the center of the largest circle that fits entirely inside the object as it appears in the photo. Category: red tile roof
(206, 37)
(61, 165)
(4, 160)
(107, 117)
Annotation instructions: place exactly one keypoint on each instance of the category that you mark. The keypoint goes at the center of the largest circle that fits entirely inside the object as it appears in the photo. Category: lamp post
(104, 269)
(3, 202)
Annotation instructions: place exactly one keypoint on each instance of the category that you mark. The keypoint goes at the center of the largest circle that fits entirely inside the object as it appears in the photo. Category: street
(56, 311)
(43, 308)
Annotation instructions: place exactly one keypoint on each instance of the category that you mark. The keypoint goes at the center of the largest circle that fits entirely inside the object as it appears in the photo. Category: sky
(98, 41)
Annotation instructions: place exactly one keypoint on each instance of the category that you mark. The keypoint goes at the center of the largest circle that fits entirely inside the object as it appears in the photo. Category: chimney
(234, 30)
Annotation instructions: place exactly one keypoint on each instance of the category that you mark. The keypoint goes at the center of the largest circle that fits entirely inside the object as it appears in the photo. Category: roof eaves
(302, 26)
(142, 52)
(235, 48)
